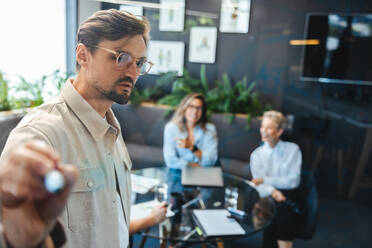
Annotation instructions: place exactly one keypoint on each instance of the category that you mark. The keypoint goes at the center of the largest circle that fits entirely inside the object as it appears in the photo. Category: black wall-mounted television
(344, 52)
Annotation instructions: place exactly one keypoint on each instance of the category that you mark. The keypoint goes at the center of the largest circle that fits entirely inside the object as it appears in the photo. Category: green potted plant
(222, 97)
(153, 93)
(31, 93)
(4, 97)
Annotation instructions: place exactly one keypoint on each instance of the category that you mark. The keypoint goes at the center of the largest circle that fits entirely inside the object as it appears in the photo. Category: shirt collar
(276, 147)
(90, 118)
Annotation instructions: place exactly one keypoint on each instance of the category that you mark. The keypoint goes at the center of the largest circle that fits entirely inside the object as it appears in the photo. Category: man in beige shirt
(81, 127)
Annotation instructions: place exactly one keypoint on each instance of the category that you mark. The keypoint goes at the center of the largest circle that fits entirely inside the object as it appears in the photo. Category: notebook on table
(202, 176)
(217, 222)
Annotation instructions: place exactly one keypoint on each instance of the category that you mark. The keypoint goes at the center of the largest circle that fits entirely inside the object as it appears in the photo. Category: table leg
(144, 239)
(367, 149)
(220, 244)
(163, 233)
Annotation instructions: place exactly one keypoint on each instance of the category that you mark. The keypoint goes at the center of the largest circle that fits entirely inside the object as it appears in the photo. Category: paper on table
(142, 210)
(216, 222)
(142, 185)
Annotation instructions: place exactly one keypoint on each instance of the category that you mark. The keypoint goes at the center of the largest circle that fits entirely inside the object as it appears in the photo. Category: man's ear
(82, 55)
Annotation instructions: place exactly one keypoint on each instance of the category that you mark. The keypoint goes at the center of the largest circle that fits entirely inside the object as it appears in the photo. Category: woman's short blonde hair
(276, 117)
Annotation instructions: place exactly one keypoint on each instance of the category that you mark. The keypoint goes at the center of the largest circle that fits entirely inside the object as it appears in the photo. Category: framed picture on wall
(172, 15)
(203, 41)
(166, 56)
(135, 10)
(235, 16)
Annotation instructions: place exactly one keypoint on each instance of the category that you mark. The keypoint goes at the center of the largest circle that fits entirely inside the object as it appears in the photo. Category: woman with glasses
(189, 139)
(276, 172)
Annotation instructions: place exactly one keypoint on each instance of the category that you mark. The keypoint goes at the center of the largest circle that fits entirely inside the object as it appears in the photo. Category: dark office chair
(309, 204)
(306, 206)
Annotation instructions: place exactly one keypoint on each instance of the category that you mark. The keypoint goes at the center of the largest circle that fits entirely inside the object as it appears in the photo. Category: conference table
(182, 229)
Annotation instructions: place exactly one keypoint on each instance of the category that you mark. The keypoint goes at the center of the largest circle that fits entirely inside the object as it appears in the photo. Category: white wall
(86, 8)
(33, 38)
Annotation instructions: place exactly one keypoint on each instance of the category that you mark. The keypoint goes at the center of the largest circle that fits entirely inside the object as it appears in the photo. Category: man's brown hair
(111, 25)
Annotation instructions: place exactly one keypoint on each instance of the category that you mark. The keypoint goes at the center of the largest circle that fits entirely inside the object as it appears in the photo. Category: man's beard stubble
(120, 98)
(117, 98)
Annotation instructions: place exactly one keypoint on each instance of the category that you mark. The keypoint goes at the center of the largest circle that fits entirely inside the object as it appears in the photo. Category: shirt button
(90, 184)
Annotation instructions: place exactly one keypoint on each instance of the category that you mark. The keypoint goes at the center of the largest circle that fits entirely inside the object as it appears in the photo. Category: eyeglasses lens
(124, 59)
(143, 66)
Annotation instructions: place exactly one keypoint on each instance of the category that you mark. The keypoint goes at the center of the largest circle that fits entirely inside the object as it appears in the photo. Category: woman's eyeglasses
(123, 59)
(197, 108)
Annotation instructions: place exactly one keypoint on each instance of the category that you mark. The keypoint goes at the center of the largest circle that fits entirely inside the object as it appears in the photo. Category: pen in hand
(54, 181)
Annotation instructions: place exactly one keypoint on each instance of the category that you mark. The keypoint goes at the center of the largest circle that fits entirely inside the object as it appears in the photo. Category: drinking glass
(161, 192)
(231, 197)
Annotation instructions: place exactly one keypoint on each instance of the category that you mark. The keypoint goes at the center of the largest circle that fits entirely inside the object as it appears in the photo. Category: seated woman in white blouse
(276, 172)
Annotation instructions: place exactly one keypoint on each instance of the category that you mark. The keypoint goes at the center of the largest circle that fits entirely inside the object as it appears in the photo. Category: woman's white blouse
(280, 167)
(177, 158)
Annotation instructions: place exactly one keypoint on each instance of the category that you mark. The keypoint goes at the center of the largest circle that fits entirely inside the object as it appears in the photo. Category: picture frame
(234, 16)
(167, 56)
(172, 15)
(135, 10)
(203, 43)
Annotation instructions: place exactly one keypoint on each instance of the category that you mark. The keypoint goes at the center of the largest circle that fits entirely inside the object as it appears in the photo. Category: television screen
(343, 51)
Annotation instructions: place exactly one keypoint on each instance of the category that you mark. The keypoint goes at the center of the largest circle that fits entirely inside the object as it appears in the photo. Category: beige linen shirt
(83, 138)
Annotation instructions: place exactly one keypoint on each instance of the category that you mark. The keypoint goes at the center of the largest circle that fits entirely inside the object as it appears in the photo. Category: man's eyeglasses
(123, 59)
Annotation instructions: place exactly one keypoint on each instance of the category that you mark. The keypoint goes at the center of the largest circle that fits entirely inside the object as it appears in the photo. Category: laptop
(202, 176)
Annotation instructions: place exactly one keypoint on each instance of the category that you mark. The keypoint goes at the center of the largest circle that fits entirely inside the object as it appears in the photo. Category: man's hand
(29, 210)
(278, 196)
(257, 181)
(158, 213)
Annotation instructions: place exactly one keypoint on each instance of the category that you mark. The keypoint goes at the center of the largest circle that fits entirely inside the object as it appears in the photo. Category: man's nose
(131, 71)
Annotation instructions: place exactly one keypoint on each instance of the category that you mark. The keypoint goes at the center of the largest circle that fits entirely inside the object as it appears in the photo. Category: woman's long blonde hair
(179, 115)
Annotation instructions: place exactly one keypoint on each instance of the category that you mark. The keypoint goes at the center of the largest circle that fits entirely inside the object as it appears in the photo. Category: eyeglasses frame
(117, 55)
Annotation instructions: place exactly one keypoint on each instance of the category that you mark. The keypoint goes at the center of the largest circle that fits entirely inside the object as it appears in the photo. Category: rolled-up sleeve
(258, 171)
(209, 147)
(257, 168)
(171, 158)
(264, 190)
